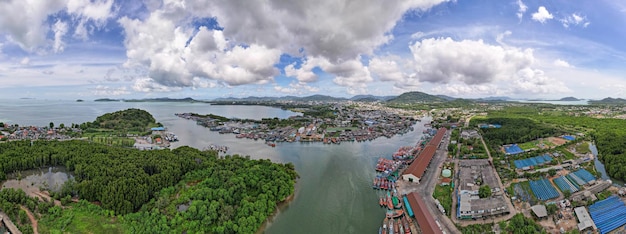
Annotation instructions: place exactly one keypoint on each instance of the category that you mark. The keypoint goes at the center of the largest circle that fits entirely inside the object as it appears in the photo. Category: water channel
(600, 167)
(333, 194)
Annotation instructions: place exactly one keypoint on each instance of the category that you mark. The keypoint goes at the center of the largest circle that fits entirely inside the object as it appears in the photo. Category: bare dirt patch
(557, 141)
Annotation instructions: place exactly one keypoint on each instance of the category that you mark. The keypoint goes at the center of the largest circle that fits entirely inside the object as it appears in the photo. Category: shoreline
(279, 207)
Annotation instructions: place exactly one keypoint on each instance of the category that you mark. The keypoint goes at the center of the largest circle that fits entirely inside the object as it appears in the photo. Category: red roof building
(417, 169)
(424, 219)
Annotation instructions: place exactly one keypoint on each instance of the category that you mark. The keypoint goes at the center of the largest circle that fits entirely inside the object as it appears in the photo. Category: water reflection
(50, 178)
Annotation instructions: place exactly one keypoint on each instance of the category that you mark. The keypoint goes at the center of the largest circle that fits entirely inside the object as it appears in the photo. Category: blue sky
(87, 49)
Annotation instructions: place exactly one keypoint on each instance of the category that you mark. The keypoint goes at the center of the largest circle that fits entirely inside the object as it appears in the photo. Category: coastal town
(344, 122)
(466, 172)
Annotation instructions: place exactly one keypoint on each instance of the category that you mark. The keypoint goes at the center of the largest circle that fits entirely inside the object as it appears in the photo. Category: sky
(88, 49)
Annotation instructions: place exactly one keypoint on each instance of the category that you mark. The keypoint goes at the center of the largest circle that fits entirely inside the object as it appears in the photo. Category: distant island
(106, 100)
(609, 100)
(569, 99)
(187, 99)
(565, 99)
(165, 99)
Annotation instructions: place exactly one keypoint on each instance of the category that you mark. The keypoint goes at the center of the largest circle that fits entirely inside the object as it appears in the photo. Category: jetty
(4, 219)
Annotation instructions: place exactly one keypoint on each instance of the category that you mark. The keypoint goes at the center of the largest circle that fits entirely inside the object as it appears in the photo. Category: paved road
(430, 180)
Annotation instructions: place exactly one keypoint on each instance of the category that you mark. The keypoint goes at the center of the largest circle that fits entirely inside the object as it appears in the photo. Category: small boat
(385, 225)
(394, 214)
(272, 144)
(405, 223)
(396, 226)
(389, 202)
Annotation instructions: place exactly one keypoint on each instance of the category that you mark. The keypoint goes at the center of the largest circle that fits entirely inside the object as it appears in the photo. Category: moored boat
(394, 214)
(405, 223)
(385, 225)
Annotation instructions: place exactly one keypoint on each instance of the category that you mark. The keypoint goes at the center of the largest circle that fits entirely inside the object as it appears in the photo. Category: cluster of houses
(348, 124)
(13, 132)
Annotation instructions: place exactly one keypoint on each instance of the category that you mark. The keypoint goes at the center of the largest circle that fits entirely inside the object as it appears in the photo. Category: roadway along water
(333, 194)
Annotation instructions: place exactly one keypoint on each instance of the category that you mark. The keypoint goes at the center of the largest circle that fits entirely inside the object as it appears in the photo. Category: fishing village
(339, 123)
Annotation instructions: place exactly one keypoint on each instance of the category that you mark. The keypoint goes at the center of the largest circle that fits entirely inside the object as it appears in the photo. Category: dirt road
(33, 221)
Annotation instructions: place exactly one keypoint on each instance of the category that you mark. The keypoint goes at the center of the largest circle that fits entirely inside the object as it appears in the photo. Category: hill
(569, 99)
(416, 97)
(448, 98)
(320, 98)
(106, 100)
(124, 121)
(165, 99)
(371, 98)
(497, 98)
(608, 100)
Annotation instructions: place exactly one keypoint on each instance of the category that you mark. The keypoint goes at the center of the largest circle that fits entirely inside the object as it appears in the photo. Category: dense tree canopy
(231, 195)
(122, 179)
(130, 120)
(514, 130)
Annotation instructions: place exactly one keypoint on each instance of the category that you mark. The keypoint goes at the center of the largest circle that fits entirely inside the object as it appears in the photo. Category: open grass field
(583, 148)
(537, 144)
(80, 218)
(444, 195)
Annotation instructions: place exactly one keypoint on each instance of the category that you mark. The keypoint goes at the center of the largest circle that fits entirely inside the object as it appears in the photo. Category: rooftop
(424, 219)
(539, 210)
(584, 218)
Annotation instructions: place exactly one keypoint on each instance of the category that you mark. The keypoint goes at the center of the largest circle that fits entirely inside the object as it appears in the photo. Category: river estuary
(333, 194)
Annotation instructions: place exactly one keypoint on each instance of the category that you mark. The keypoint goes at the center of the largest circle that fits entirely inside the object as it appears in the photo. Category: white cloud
(386, 70)
(534, 81)
(522, 9)
(473, 67)
(103, 90)
(26, 23)
(542, 15)
(305, 72)
(296, 88)
(333, 29)
(23, 21)
(96, 10)
(25, 61)
(147, 85)
(60, 29)
(472, 62)
(562, 63)
(574, 19)
(457, 90)
(500, 37)
(176, 55)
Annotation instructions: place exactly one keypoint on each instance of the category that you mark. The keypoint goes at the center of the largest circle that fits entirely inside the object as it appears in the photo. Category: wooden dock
(4, 218)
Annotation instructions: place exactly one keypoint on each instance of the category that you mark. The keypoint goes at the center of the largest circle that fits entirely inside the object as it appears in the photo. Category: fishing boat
(391, 226)
(394, 214)
(385, 225)
(381, 201)
(405, 223)
(389, 201)
(395, 227)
